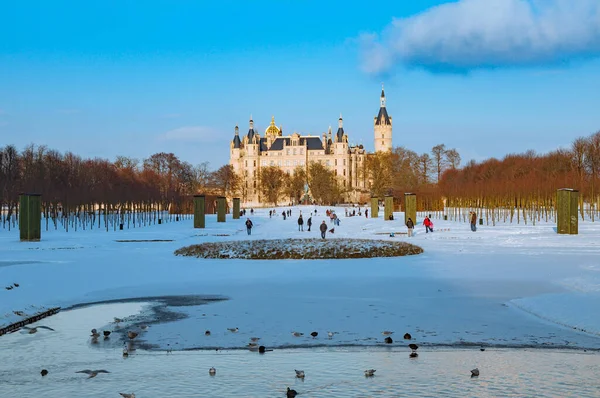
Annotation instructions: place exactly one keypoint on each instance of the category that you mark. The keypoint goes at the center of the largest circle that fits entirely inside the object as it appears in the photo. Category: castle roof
(382, 117)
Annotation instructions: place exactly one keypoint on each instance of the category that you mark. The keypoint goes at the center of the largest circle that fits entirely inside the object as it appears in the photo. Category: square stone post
(236, 208)
(567, 204)
(374, 207)
(221, 208)
(389, 208)
(410, 207)
(30, 217)
(199, 210)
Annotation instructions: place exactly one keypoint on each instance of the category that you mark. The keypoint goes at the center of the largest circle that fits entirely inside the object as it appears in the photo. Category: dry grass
(309, 249)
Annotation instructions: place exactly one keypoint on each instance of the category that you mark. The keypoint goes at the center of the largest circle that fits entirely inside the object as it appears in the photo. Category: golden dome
(273, 129)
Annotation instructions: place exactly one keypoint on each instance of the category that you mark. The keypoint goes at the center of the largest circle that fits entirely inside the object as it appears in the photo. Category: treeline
(74, 186)
(523, 186)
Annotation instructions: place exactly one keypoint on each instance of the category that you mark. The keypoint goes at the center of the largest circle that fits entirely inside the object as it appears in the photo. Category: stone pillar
(374, 207)
(567, 205)
(236, 208)
(410, 207)
(199, 209)
(389, 208)
(221, 208)
(30, 217)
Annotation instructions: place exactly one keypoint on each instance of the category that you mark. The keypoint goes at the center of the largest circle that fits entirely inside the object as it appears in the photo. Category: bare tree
(272, 180)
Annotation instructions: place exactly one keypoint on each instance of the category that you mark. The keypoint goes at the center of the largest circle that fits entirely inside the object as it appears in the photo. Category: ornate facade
(253, 151)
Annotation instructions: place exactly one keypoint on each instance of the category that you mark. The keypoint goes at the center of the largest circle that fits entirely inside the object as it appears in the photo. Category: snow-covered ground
(507, 285)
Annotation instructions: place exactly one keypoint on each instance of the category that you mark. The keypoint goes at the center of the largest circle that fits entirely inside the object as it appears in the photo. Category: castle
(253, 151)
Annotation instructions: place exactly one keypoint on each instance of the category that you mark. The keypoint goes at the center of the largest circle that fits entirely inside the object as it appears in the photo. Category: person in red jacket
(428, 225)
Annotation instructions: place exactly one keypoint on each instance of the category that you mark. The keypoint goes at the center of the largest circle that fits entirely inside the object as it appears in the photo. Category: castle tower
(382, 127)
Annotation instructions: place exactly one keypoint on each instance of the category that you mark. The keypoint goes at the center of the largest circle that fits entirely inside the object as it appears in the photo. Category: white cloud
(471, 34)
(191, 134)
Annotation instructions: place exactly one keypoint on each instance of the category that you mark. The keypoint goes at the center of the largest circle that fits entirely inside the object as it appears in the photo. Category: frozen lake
(527, 294)
(330, 372)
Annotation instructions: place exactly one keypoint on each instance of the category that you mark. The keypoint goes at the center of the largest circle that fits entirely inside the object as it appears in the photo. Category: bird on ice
(254, 339)
(125, 395)
(413, 347)
(233, 330)
(407, 336)
(44, 372)
(387, 333)
(132, 335)
(299, 374)
(297, 334)
(330, 334)
(388, 340)
(95, 333)
(475, 372)
(212, 371)
(314, 334)
(35, 329)
(291, 393)
(413, 355)
(92, 373)
(207, 333)
(370, 372)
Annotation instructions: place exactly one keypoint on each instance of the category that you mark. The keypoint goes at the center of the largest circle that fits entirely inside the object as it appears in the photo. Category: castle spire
(382, 96)
(236, 137)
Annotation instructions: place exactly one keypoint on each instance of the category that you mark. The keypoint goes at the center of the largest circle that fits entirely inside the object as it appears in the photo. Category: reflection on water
(329, 372)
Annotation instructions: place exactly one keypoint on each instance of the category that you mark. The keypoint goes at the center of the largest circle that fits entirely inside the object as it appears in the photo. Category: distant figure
(283, 214)
(391, 217)
(300, 223)
(428, 225)
(309, 223)
(251, 211)
(366, 213)
(323, 229)
(411, 226)
(473, 219)
(270, 213)
(249, 226)
(315, 212)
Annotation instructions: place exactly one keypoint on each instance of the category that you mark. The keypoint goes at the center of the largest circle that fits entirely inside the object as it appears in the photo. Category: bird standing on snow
(413, 347)
(475, 372)
(92, 373)
(297, 334)
(132, 335)
(212, 371)
(407, 336)
(413, 355)
(330, 334)
(299, 374)
(233, 330)
(314, 334)
(370, 372)
(44, 372)
(388, 340)
(207, 333)
(35, 329)
(291, 393)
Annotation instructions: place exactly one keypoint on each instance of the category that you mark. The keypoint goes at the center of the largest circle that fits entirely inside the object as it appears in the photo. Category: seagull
(207, 333)
(233, 330)
(407, 336)
(125, 352)
(8, 287)
(314, 334)
(92, 373)
(370, 372)
(16, 284)
(95, 333)
(388, 340)
(330, 334)
(132, 335)
(34, 329)
(212, 371)
(299, 374)
(106, 333)
(124, 395)
(297, 334)
(413, 355)
(291, 393)
(254, 339)
(387, 333)
(475, 372)
(262, 349)
(413, 347)
(44, 372)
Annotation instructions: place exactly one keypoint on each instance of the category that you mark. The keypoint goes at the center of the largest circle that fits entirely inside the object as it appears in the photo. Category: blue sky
(488, 77)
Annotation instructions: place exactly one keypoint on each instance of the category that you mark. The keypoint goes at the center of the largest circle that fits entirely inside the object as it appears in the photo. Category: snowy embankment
(300, 249)
(458, 292)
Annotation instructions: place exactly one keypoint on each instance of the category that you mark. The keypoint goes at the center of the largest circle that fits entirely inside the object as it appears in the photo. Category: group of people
(410, 224)
(301, 222)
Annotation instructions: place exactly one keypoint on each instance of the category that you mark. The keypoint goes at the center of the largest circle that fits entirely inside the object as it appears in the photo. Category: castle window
(301, 151)
(287, 152)
(294, 152)
(255, 163)
(344, 171)
(335, 171)
(382, 135)
(279, 163)
(246, 163)
(382, 143)
(254, 184)
(263, 162)
(254, 173)
(344, 162)
(336, 162)
(272, 163)
(295, 163)
(302, 163)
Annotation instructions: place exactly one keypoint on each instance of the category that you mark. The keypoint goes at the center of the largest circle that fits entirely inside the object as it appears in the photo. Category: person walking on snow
(300, 223)
(309, 223)
(323, 229)
(428, 225)
(473, 220)
(366, 213)
(411, 226)
(249, 226)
